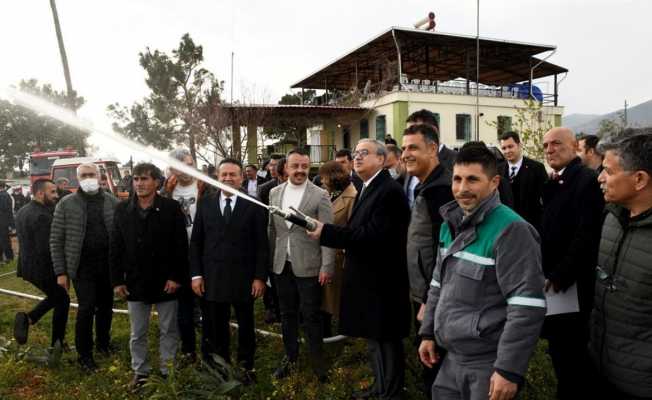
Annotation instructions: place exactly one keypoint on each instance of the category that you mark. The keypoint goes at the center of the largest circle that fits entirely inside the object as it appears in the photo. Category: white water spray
(66, 116)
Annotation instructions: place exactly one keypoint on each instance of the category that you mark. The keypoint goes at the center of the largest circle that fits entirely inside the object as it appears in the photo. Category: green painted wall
(399, 115)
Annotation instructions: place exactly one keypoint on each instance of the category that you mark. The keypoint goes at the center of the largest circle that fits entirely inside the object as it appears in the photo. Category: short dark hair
(276, 156)
(230, 161)
(344, 153)
(392, 148)
(633, 147)
(590, 142)
(511, 135)
(430, 135)
(297, 150)
(252, 166)
(39, 185)
(150, 169)
(280, 167)
(425, 117)
(478, 153)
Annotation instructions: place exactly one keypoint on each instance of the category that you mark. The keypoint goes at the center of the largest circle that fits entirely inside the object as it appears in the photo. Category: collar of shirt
(517, 164)
(223, 202)
(368, 182)
(441, 146)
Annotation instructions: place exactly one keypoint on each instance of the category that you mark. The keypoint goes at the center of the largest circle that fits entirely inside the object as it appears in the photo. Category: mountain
(637, 116)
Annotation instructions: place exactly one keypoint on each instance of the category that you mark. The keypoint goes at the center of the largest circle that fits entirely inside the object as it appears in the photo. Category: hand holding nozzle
(296, 217)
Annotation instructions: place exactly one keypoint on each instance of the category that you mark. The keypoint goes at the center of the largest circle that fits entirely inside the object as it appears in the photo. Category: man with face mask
(35, 264)
(79, 244)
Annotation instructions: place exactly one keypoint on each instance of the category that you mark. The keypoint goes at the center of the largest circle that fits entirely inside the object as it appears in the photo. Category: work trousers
(95, 297)
(139, 316)
(216, 333)
(301, 295)
(56, 298)
(387, 361)
(463, 381)
(186, 319)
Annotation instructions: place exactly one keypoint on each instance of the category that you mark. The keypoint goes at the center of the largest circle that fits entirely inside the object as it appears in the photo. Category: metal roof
(435, 56)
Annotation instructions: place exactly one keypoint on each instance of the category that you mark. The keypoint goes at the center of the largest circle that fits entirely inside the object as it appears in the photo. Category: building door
(346, 137)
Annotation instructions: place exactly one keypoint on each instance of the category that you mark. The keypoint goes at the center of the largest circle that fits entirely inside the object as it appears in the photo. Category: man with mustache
(570, 234)
(486, 303)
(300, 265)
(622, 351)
(420, 155)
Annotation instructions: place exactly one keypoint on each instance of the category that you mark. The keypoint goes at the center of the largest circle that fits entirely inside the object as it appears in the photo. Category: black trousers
(428, 375)
(270, 298)
(216, 334)
(95, 297)
(387, 359)
(567, 336)
(301, 295)
(56, 298)
(186, 319)
(5, 244)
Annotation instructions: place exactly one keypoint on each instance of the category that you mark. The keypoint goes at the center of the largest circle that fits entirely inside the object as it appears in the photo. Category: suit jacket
(375, 291)
(307, 257)
(245, 183)
(144, 254)
(265, 188)
(570, 234)
(527, 190)
(342, 209)
(447, 157)
(229, 256)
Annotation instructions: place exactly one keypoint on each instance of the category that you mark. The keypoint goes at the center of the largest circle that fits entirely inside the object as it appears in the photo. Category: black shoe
(21, 327)
(87, 364)
(138, 382)
(270, 317)
(284, 369)
(106, 350)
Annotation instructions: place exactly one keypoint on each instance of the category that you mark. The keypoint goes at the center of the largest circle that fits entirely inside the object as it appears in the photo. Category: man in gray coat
(486, 304)
(79, 244)
(300, 265)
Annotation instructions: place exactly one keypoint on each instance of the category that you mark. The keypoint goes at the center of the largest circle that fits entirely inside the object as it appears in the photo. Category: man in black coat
(252, 181)
(35, 264)
(570, 234)
(375, 291)
(148, 260)
(6, 223)
(229, 257)
(526, 177)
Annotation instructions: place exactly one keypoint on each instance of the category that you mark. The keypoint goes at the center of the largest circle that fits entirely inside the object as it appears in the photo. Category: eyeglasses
(360, 153)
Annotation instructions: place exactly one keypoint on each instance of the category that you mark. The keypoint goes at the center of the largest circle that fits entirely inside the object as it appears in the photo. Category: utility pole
(625, 115)
(477, 74)
(66, 70)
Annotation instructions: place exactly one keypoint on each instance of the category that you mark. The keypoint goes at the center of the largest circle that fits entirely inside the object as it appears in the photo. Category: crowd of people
(462, 247)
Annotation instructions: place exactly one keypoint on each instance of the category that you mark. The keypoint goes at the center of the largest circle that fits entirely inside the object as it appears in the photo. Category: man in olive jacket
(621, 321)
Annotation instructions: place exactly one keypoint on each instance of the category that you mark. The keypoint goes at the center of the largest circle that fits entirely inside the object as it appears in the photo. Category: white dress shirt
(515, 167)
(292, 198)
(252, 188)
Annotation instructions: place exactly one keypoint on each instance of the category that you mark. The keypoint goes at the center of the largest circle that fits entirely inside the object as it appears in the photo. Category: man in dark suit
(570, 234)
(375, 289)
(253, 181)
(526, 177)
(6, 223)
(278, 177)
(228, 264)
(587, 150)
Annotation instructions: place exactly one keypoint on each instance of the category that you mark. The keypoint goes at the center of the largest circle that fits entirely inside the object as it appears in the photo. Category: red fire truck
(40, 162)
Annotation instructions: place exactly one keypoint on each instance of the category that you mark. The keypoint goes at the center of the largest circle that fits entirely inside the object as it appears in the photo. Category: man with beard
(300, 265)
(35, 264)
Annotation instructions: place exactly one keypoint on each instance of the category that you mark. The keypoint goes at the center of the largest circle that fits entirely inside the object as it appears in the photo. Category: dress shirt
(514, 167)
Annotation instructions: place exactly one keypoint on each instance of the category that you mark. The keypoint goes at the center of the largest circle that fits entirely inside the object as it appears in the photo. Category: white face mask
(90, 185)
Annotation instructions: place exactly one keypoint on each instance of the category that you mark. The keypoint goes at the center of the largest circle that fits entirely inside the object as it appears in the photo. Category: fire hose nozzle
(296, 217)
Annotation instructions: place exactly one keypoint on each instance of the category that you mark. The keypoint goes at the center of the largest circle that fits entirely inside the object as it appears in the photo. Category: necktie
(227, 210)
(555, 176)
(513, 172)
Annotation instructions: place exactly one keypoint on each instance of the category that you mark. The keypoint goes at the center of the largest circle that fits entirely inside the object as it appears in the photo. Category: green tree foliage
(611, 127)
(292, 130)
(182, 107)
(23, 131)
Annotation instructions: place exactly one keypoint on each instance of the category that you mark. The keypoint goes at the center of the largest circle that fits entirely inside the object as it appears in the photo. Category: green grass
(23, 379)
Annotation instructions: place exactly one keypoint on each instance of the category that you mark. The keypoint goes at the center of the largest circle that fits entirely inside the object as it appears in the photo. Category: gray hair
(633, 147)
(180, 154)
(381, 149)
(88, 165)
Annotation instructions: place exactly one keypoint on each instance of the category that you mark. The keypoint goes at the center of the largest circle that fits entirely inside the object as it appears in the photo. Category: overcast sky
(605, 44)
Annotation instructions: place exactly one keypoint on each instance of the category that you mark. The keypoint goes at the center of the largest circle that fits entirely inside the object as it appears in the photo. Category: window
(463, 127)
(504, 125)
(364, 129)
(380, 128)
